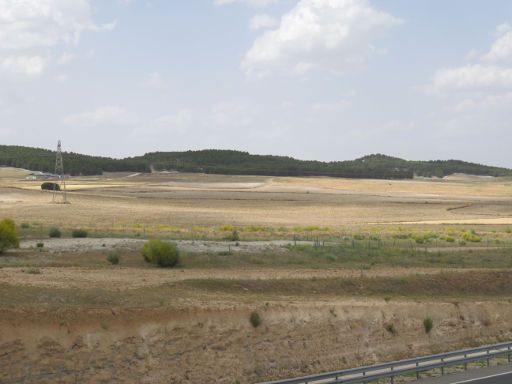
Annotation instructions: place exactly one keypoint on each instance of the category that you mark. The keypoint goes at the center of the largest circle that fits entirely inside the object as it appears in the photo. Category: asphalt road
(495, 375)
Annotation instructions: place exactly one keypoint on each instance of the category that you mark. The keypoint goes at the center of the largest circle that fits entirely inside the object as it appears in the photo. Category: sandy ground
(197, 246)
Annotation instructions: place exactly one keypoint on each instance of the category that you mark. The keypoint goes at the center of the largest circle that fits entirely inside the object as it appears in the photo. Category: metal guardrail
(405, 367)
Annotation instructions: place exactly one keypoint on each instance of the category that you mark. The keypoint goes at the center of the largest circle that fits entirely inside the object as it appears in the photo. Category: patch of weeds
(79, 233)
(25, 225)
(114, 257)
(226, 228)
(33, 271)
(471, 236)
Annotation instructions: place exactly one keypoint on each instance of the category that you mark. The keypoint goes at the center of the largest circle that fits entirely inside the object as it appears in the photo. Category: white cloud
(319, 34)
(107, 116)
(35, 27)
(473, 77)
(490, 74)
(501, 49)
(23, 66)
(42, 23)
(262, 21)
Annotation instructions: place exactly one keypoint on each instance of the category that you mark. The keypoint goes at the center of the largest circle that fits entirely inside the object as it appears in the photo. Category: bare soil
(67, 316)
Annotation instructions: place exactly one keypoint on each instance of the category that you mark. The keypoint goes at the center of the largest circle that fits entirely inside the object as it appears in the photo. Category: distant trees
(242, 163)
(8, 235)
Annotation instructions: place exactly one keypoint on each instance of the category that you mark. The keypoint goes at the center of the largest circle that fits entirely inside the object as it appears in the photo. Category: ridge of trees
(232, 162)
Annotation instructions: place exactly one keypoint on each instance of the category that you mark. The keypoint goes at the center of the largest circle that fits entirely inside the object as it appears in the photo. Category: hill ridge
(220, 161)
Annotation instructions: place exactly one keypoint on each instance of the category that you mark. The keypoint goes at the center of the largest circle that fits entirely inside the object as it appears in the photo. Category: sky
(313, 79)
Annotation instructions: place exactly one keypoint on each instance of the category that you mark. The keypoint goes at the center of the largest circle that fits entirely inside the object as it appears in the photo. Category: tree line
(237, 162)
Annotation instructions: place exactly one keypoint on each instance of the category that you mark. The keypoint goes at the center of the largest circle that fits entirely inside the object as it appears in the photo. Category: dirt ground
(67, 316)
(185, 201)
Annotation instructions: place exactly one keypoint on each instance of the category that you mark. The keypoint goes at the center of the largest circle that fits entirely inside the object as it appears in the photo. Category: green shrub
(113, 257)
(50, 186)
(161, 253)
(40, 245)
(450, 239)
(428, 324)
(8, 235)
(255, 319)
(79, 233)
(359, 236)
(235, 236)
(25, 225)
(54, 232)
(471, 236)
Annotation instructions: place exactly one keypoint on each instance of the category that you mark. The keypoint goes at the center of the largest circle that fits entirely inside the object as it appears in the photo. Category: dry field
(68, 316)
(194, 202)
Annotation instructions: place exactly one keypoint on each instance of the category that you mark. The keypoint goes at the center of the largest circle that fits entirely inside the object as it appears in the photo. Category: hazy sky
(314, 79)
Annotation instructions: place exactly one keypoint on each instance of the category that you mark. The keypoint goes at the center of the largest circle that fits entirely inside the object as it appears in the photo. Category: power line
(60, 194)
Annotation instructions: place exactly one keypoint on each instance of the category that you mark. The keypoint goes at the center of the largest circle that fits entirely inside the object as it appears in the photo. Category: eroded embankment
(221, 346)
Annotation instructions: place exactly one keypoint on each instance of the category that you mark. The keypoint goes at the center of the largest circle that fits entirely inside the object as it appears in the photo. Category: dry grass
(474, 284)
(177, 202)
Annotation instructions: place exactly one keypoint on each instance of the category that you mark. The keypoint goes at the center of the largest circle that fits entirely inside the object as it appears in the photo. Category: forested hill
(241, 163)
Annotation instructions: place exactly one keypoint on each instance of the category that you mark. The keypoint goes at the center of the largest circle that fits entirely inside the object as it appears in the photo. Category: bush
(161, 253)
(255, 319)
(428, 324)
(359, 236)
(471, 236)
(50, 187)
(113, 257)
(40, 245)
(25, 225)
(8, 235)
(235, 236)
(79, 233)
(54, 232)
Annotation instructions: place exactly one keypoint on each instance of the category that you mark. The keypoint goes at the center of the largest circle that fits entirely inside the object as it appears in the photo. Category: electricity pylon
(61, 197)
